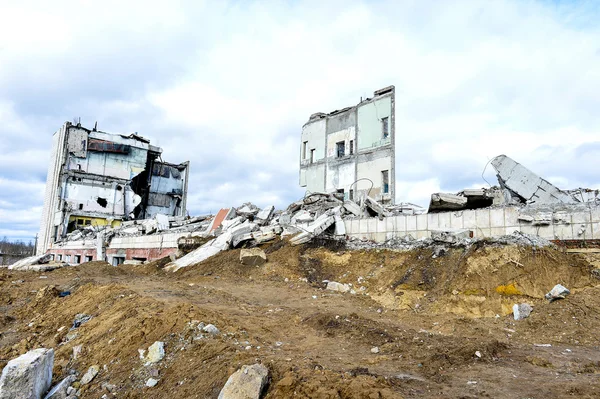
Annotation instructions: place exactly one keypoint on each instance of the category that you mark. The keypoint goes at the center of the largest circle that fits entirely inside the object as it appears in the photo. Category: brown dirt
(442, 324)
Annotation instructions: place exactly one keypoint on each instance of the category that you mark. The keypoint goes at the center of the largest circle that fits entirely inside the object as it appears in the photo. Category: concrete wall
(340, 175)
(314, 133)
(369, 123)
(371, 169)
(580, 224)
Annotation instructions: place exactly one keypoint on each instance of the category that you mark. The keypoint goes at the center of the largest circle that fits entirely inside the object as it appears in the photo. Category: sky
(228, 85)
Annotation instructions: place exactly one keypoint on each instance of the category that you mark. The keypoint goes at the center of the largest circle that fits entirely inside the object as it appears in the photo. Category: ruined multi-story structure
(101, 179)
(351, 151)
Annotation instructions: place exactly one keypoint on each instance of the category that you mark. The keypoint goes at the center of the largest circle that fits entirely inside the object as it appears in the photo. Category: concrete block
(411, 222)
(596, 231)
(444, 221)
(482, 233)
(496, 217)
(28, 376)
(364, 226)
(381, 225)
(497, 231)
(253, 256)
(372, 225)
(400, 225)
(482, 217)
(456, 220)
(546, 232)
(469, 220)
(422, 222)
(390, 224)
(529, 229)
(581, 217)
(379, 237)
(595, 214)
(432, 221)
(413, 233)
(248, 382)
(582, 231)
(423, 234)
(563, 231)
(390, 235)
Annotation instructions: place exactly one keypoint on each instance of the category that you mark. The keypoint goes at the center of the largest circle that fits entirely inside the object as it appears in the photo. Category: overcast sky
(228, 86)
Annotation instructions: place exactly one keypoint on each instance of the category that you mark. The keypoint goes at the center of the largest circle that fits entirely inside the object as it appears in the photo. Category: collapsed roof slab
(526, 184)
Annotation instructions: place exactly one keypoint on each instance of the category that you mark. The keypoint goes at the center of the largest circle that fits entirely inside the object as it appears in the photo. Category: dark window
(80, 206)
(89, 258)
(312, 155)
(351, 147)
(88, 222)
(340, 149)
(385, 127)
(351, 195)
(304, 146)
(102, 202)
(77, 259)
(385, 181)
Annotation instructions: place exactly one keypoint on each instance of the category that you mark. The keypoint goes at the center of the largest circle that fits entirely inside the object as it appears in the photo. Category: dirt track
(442, 325)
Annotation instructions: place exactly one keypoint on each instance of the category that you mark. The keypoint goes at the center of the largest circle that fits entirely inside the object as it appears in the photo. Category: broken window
(88, 222)
(102, 202)
(161, 170)
(351, 147)
(89, 258)
(175, 173)
(77, 259)
(385, 181)
(107, 146)
(340, 149)
(80, 207)
(117, 260)
(385, 127)
(67, 258)
(59, 257)
(351, 195)
(304, 146)
(312, 155)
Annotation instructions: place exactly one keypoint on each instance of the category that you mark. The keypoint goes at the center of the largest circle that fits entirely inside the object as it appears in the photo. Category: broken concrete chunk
(28, 376)
(263, 216)
(314, 229)
(80, 318)
(521, 311)
(211, 329)
(450, 236)
(557, 292)
(156, 352)
(246, 383)
(335, 286)
(59, 391)
(302, 217)
(151, 382)
(248, 209)
(446, 202)
(253, 256)
(90, 374)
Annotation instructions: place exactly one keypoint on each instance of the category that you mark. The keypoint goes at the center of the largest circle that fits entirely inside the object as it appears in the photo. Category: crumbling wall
(370, 119)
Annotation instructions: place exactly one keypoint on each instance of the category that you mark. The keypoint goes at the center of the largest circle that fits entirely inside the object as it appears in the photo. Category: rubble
(59, 391)
(247, 383)
(253, 256)
(28, 376)
(156, 352)
(521, 311)
(557, 292)
(40, 263)
(335, 286)
(90, 374)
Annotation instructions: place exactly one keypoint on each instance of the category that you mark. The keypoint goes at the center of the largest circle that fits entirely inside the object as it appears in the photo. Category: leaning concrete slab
(28, 376)
(526, 184)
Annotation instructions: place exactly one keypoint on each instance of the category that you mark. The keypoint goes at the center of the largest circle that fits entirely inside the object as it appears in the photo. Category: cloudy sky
(228, 85)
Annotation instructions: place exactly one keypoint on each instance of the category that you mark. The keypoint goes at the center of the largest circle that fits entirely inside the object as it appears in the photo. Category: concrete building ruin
(351, 151)
(100, 179)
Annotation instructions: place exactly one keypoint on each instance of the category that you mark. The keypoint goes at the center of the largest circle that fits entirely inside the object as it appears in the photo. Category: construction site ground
(417, 325)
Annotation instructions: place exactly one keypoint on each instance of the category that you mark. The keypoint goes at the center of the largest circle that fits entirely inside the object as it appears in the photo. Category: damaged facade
(98, 180)
(351, 151)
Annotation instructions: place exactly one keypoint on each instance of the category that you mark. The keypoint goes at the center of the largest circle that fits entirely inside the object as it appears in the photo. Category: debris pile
(38, 263)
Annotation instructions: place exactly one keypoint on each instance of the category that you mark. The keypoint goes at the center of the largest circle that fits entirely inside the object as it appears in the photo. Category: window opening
(385, 181)
(89, 258)
(77, 259)
(351, 147)
(312, 155)
(304, 147)
(385, 127)
(340, 149)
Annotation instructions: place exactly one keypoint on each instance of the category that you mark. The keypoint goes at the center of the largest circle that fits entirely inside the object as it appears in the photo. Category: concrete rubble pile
(38, 263)
(517, 186)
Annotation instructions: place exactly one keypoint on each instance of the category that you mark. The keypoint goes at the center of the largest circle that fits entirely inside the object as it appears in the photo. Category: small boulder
(28, 376)
(90, 374)
(211, 329)
(522, 311)
(558, 292)
(156, 352)
(335, 286)
(253, 256)
(246, 383)
(151, 382)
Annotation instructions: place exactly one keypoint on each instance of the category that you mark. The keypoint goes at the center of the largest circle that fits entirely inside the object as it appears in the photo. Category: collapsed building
(98, 181)
(352, 151)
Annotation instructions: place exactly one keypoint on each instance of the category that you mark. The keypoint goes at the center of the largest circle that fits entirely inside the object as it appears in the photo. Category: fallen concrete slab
(28, 376)
(253, 257)
(247, 383)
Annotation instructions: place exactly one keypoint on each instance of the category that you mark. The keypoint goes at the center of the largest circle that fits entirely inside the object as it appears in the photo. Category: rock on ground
(253, 256)
(557, 292)
(521, 311)
(28, 376)
(90, 374)
(246, 383)
(156, 352)
(335, 286)
(59, 391)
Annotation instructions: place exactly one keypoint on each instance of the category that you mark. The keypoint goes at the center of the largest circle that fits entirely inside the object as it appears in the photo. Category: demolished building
(97, 180)
(352, 151)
